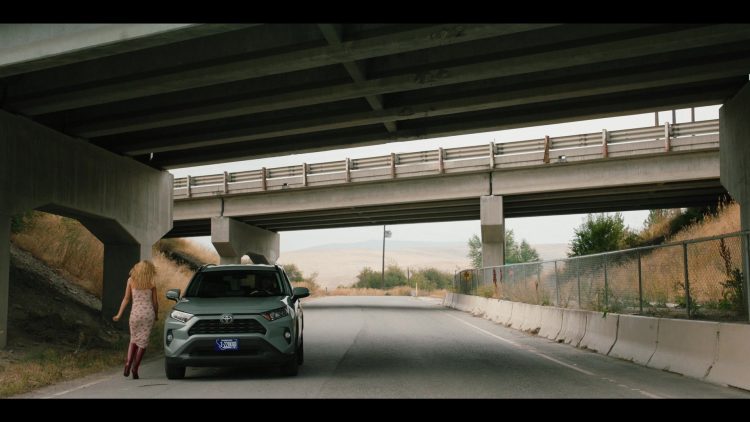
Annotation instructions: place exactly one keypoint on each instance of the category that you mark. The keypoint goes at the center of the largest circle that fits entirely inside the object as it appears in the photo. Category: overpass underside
(626, 198)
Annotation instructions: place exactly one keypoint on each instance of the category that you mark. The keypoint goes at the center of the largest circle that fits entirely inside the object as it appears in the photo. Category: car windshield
(236, 283)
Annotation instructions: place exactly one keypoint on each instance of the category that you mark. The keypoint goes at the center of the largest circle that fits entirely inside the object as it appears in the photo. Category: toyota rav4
(235, 315)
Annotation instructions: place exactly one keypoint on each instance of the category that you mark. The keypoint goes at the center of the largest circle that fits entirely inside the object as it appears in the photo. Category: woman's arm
(125, 301)
(155, 302)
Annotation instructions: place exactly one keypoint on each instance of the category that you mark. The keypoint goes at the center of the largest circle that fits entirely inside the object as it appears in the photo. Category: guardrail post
(640, 285)
(348, 165)
(441, 164)
(263, 176)
(189, 192)
(546, 149)
(687, 282)
(226, 183)
(393, 165)
(667, 137)
(492, 155)
(605, 143)
(304, 174)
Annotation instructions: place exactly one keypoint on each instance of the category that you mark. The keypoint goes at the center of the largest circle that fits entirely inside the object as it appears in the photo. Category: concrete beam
(506, 98)
(233, 239)
(213, 74)
(125, 204)
(735, 154)
(4, 274)
(436, 77)
(32, 47)
(674, 167)
(492, 223)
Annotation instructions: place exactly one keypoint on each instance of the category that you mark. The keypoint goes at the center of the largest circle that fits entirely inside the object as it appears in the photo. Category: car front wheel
(174, 372)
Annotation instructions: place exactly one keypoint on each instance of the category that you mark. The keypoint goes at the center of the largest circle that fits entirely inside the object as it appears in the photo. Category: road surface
(402, 347)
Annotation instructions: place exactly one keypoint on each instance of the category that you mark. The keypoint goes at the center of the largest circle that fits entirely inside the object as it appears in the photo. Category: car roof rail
(204, 266)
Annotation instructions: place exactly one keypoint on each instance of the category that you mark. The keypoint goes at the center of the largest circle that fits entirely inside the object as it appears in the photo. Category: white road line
(526, 348)
(542, 355)
(80, 387)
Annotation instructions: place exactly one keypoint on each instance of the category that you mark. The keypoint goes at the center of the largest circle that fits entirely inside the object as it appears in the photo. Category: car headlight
(181, 316)
(275, 314)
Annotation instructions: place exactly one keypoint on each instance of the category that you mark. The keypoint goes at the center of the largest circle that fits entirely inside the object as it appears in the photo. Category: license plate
(224, 344)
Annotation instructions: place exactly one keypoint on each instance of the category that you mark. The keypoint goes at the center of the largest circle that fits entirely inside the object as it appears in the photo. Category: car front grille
(238, 326)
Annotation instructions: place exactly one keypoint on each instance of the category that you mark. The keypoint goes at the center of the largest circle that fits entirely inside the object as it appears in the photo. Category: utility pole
(386, 233)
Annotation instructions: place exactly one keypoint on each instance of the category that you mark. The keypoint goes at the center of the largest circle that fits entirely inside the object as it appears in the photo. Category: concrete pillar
(493, 230)
(233, 239)
(4, 272)
(734, 121)
(127, 205)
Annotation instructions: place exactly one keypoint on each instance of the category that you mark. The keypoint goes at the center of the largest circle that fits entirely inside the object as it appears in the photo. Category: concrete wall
(734, 121)
(699, 349)
(125, 204)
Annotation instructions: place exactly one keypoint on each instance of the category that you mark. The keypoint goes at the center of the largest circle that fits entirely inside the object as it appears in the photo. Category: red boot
(137, 362)
(129, 362)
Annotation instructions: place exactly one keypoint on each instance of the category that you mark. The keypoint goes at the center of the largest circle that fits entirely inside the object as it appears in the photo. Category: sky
(535, 230)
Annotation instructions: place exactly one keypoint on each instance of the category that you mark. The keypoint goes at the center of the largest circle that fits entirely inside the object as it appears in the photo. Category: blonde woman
(141, 288)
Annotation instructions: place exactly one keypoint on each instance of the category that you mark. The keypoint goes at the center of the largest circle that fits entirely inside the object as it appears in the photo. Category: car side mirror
(300, 292)
(173, 294)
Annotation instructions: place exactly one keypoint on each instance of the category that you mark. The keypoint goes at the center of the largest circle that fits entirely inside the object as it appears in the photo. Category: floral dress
(141, 317)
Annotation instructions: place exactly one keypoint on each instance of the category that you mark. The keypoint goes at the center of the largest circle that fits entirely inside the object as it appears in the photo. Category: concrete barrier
(448, 299)
(573, 327)
(518, 314)
(506, 312)
(551, 322)
(636, 338)
(601, 332)
(686, 347)
(732, 365)
(532, 319)
(493, 310)
(479, 307)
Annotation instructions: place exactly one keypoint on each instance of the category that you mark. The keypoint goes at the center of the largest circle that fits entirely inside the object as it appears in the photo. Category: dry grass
(64, 244)
(190, 248)
(47, 367)
(660, 228)
(355, 291)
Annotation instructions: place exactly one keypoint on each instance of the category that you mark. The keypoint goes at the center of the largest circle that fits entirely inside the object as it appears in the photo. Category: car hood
(229, 305)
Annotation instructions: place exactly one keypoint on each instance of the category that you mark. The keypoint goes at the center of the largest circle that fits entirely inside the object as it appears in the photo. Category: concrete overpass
(93, 114)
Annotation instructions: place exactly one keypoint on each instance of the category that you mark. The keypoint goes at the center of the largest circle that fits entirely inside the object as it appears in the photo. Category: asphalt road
(401, 347)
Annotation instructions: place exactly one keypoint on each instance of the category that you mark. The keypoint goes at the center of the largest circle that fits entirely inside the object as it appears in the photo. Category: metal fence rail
(549, 150)
(699, 279)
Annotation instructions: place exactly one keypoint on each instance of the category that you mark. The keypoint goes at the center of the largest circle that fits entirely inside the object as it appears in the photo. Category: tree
(294, 273)
(514, 253)
(601, 233)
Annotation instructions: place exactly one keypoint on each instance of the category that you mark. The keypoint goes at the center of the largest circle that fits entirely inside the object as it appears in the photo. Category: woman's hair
(143, 275)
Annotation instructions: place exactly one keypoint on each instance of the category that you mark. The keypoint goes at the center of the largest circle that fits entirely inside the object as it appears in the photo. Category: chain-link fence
(699, 279)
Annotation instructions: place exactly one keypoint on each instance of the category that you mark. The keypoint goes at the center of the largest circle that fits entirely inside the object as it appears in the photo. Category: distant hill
(339, 264)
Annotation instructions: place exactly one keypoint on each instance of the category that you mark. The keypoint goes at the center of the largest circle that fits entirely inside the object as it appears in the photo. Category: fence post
(640, 285)
(687, 282)
(745, 270)
(578, 277)
(557, 287)
(606, 285)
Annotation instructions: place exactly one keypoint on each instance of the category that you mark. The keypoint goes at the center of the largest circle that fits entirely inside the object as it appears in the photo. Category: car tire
(301, 351)
(291, 368)
(174, 372)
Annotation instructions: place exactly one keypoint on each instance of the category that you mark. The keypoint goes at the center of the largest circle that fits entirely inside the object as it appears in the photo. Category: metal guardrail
(699, 279)
(621, 143)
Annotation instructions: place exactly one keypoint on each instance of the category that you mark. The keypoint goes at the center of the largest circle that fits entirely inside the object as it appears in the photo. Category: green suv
(235, 315)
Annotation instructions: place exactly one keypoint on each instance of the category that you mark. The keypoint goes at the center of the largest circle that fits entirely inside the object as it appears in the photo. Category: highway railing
(699, 279)
(669, 138)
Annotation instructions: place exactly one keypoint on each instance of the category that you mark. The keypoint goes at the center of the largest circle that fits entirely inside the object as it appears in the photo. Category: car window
(235, 283)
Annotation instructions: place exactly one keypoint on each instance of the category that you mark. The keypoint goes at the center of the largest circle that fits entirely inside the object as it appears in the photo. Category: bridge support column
(493, 230)
(4, 281)
(127, 205)
(734, 121)
(233, 239)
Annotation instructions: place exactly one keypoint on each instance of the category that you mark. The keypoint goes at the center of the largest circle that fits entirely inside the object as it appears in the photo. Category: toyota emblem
(226, 319)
